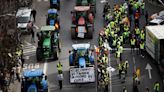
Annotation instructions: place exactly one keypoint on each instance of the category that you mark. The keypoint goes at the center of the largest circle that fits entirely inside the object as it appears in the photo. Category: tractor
(81, 58)
(91, 3)
(48, 44)
(53, 19)
(34, 81)
(82, 22)
(55, 4)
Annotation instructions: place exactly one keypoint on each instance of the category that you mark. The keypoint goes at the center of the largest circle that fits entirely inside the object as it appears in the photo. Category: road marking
(134, 64)
(36, 27)
(42, 0)
(31, 66)
(103, 1)
(149, 68)
(28, 48)
(45, 67)
(129, 49)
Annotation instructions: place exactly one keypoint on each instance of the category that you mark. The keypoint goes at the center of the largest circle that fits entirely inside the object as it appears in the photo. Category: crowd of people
(118, 32)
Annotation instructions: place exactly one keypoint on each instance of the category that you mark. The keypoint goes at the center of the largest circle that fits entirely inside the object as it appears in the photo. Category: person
(12, 73)
(146, 17)
(135, 82)
(33, 35)
(29, 26)
(106, 88)
(124, 89)
(142, 6)
(136, 16)
(118, 56)
(156, 86)
(142, 35)
(142, 46)
(60, 79)
(120, 70)
(33, 12)
(44, 84)
(147, 90)
(59, 67)
(121, 51)
(30, 30)
(18, 71)
(126, 65)
(132, 43)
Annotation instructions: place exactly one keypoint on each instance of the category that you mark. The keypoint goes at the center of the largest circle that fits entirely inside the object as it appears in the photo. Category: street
(49, 67)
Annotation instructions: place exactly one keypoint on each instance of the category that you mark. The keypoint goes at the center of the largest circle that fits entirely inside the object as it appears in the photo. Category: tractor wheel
(38, 54)
(56, 54)
(73, 33)
(90, 33)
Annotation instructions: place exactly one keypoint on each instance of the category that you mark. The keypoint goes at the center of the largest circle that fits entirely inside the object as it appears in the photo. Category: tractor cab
(52, 18)
(82, 22)
(48, 43)
(82, 14)
(81, 55)
(55, 4)
(34, 81)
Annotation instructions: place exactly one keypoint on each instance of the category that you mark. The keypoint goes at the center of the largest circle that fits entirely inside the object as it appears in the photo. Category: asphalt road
(65, 21)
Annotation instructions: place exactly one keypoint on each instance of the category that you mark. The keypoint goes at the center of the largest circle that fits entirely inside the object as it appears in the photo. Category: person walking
(18, 71)
(156, 86)
(146, 17)
(33, 12)
(12, 73)
(59, 67)
(32, 36)
(132, 43)
(121, 51)
(143, 7)
(60, 79)
(147, 90)
(126, 65)
(124, 89)
(119, 70)
(142, 46)
(45, 84)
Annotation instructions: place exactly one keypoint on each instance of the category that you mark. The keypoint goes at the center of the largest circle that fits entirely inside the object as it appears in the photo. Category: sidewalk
(15, 87)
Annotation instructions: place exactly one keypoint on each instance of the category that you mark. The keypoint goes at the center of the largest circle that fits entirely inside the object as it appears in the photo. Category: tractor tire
(55, 54)
(39, 54)
(90, 33)
(73, 33)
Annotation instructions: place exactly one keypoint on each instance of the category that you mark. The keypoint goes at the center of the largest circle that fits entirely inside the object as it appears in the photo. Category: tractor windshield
(84, 3)
(81, 14)
(52, 16)
(82, 52)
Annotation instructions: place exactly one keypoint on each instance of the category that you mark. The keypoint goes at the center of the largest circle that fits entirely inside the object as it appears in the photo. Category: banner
(82, 75)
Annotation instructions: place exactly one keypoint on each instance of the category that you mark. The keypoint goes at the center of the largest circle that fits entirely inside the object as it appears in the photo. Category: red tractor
(82, 22)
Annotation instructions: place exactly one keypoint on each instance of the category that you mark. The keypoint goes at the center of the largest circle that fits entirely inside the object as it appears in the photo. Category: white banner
(82, 75)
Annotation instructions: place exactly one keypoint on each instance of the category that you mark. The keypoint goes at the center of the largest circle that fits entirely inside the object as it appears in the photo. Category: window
(23, 19)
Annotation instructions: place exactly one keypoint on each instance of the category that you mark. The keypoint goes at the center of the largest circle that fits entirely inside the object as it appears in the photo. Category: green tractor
(48, 43)
(91, 3)
(82, 22)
